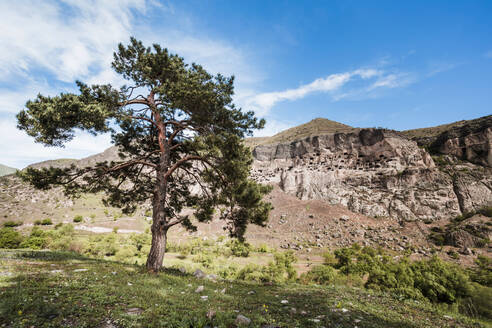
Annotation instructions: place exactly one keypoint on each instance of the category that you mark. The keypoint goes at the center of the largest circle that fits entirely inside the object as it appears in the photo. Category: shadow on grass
(45, 255)
(168, 299)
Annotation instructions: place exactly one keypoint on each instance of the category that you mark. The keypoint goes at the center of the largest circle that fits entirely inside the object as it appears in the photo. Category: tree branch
(177, 221)
(181, 162)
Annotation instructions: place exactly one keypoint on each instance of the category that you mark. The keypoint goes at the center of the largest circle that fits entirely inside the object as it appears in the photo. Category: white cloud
(371, 79)
(61, 41)
(18, 149)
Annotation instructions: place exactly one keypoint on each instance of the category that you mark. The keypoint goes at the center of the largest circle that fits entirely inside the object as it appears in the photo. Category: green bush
(36, 240)
(62, 239)
(262, 248)
(140, 240)
(78, 219)
(126, 253)
(482, 272)
(9, 238)
(12, 224)
(204, 259)
(47, 222)
(37, 222)
(100, 246)
(239, 249)
(321, 275)
(433, 279)
(278, 271)
(479, 304)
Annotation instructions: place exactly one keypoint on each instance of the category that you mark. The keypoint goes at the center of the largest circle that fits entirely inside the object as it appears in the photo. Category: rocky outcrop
(469, 141)
(376, 172)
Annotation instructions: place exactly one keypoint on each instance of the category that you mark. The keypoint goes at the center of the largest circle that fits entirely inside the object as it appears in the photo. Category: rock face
(379, 172)
(470, 141)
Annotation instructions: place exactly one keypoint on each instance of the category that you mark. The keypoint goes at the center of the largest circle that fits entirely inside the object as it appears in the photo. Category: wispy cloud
(333, 84)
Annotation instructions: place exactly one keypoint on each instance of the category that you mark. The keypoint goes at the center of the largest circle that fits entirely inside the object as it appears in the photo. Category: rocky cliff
(383, 173)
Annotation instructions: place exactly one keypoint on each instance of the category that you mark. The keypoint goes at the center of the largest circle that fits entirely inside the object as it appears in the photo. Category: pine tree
(179, 139)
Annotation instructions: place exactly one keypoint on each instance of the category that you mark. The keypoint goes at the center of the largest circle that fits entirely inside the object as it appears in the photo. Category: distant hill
(435, 131)
(6, 170)
(318, 126)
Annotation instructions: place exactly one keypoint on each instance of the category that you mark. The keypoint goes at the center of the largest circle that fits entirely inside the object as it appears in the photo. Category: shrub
(62, 238)
(36, 240)
(47, 222)
(12, 224)
(482, 272)
(278, 271)
(433, 279)
(262, 248)
(321, 275)
(37, 222)
(100, 246)
(78, 219)
(452, 254)
(479, 304)
(140, 240)
(239, 249)
(228, 272)
(329, 259)
(126, 253)
(9, 238)
(204, 259)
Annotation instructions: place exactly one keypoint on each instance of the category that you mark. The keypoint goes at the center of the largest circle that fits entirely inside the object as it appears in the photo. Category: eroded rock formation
(382, 173)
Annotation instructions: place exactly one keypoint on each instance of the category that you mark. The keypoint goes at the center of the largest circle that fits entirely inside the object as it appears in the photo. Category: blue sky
(394, 64)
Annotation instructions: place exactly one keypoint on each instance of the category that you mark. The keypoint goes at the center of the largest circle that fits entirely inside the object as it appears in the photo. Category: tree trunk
(159, 221)
(157, 249)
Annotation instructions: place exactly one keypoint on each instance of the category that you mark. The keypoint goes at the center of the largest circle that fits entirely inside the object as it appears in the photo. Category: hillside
(318, 126)
(6, 170)
(439, 129)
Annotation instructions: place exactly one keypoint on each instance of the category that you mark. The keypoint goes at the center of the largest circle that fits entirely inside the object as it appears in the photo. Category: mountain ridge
(6, 170)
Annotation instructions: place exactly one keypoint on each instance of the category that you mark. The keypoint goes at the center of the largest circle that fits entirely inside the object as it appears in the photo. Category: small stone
(223, 291)
(130, 284)
(134, 311)
(211, 314)
(293, 310)
(212, 277)
(242, 320)
(199, 274)
(251, 292)
(284, 301)
(80, 270)
(344, 310)
(204, 298)
(182, 270)
(199, 289)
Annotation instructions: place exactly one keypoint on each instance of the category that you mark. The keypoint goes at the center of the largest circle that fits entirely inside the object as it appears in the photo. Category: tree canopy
(179, 140)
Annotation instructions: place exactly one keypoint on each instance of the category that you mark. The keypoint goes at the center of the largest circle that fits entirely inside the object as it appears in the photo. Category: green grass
(42, 289)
